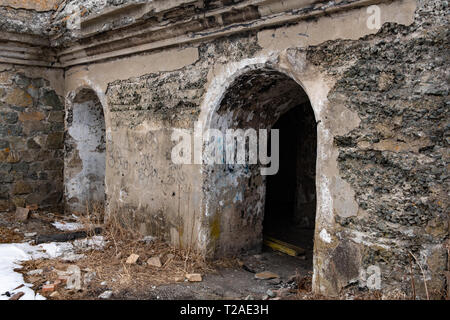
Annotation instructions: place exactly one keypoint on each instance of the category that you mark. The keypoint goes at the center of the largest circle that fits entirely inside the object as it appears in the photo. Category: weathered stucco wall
(379, 99)
(31, 137)
(84, 158)
(165, 199)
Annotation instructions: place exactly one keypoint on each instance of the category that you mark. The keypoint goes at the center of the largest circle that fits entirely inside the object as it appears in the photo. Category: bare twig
(423, 274)
(413, 285)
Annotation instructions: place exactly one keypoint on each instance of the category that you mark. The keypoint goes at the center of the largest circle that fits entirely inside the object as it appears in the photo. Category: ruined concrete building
(90, 91)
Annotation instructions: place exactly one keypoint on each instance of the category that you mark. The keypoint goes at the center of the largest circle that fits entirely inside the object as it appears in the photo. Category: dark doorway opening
(290, 205)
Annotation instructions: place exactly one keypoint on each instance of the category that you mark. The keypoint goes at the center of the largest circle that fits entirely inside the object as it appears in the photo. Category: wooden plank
(294, 247)
(282, 246)
(278, 247)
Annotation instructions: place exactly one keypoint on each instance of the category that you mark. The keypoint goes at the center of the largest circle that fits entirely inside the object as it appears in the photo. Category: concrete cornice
(179, 22)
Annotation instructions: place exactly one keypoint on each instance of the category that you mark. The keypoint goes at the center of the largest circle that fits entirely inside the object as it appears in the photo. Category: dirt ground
(234, 282)
(224, 279)
(107, 270)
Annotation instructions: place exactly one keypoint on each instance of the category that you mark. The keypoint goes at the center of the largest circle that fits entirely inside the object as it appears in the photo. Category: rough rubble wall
(31, 139)
(29, 17)
(85, 152)
(394, 160)
(397, 159)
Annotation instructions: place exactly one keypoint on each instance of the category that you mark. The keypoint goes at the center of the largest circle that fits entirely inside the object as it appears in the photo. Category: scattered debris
(155, 262)
(106, 295)
(22, 214)
(7, 235)
(64, 237)
(17, 296)
(132, 259)
(89, 276)
(194, 277)
(148, 239)
(46, 288)
(30, 234)
(179, 279)
(266, 275)
(275, 281)
(245, 267)
(271, 294)
(74, 280)
(169, 257)
(283, 292)
(249, 297)
(54, 294)
(72, 257)
(35, 272)
(63, 279)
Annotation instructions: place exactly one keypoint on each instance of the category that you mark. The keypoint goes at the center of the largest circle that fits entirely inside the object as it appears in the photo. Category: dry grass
(8, 235)
(110, 265)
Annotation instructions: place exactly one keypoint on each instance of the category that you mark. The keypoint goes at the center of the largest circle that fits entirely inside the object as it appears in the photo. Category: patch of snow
(106, 295)
(325, 236)
(11, 254)
(95, 242)
(67, 226)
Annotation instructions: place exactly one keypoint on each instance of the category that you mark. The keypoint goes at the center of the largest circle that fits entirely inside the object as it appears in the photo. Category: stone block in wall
(4, 191)
(6, 178)
(55, 140)
(4, 205)
(51, 99)
(22, 187)
(32, 144)
(56, 116)
(53, 164)
(18, 201)
(19, 98)
(31, 116)
(9, 117)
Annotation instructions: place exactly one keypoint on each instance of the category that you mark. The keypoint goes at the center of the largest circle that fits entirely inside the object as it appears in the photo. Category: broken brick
(48, 288)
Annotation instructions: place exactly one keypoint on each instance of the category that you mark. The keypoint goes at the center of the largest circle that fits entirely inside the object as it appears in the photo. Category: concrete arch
(226, 75)
(334, 196)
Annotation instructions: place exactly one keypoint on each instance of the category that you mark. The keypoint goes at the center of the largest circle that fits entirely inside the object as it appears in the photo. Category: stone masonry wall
(31, 140)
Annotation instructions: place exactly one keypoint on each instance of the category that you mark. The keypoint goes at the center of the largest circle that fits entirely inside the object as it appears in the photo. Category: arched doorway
(238, 199)
(85, 150)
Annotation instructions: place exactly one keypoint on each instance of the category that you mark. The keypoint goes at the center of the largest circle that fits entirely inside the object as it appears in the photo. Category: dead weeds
(8, 235)
(110, 267)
